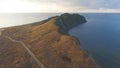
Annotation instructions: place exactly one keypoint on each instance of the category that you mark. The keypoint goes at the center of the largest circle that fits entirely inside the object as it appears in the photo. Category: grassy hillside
(13, 55)
(53, 48)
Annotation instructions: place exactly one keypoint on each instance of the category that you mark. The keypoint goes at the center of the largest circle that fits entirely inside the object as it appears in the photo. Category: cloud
(59, 6)
(29, 6)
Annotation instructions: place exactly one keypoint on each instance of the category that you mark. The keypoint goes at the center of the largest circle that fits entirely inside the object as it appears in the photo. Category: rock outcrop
(68, 21)
(49, 42)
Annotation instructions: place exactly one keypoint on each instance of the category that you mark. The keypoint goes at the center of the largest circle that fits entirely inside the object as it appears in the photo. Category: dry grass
(52, 48)
(13, 55)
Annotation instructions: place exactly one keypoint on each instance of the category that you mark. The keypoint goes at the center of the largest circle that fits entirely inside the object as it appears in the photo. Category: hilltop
(48, 41)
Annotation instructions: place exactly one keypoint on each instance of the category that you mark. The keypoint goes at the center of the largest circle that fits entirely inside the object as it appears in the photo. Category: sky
(7, 7)
(25, 6)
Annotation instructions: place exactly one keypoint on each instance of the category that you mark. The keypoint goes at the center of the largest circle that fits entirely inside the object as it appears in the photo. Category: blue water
(100, 37)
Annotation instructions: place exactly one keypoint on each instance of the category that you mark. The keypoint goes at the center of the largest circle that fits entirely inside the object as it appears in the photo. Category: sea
(99, 36)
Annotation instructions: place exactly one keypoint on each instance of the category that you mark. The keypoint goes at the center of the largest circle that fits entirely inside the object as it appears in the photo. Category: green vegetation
(68, 21)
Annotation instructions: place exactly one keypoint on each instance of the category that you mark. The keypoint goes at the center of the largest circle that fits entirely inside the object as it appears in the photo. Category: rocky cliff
(44, 44)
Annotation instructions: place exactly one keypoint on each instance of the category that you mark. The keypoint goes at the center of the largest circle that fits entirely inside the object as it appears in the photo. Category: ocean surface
(13, 19)
(99, 36)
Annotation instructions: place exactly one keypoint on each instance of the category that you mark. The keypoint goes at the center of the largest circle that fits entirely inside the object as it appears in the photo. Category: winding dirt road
(28, 50)
(1, 31)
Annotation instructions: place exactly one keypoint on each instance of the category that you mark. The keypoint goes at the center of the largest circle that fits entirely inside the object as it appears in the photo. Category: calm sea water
(13, 19)
(100, 37)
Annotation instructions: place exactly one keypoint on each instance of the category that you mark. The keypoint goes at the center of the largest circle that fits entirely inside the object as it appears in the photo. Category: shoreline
(89, 56)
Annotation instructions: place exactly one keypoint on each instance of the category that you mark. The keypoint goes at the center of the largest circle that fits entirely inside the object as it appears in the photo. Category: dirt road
(28, 50)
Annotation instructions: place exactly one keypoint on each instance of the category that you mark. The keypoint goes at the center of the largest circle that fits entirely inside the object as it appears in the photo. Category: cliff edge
(46, 45)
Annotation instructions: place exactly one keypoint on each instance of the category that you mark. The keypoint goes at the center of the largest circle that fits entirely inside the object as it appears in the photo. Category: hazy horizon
(50, 6)
(14, 19)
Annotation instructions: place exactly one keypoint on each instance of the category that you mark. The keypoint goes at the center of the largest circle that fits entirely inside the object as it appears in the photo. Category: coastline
(89, 56)
(69, 52)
